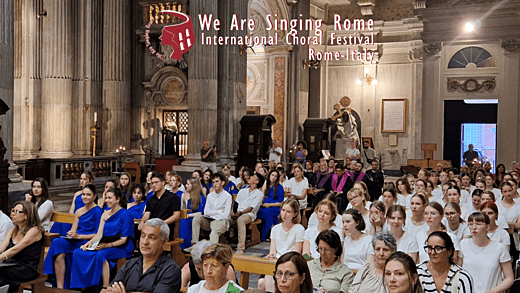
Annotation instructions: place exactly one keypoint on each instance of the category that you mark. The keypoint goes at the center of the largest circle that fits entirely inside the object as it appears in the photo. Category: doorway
(458, 113)
(483, 136)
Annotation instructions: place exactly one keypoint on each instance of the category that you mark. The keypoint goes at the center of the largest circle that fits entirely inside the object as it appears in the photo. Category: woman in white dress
(415, 220)
(488, 262)
(406, 242)
(326, 211)
(495, 233)
(507, 207)
(357, 248)
(405, 191)
(298, 186)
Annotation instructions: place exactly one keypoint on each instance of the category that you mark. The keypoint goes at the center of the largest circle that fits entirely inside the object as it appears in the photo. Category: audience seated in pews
(22, 246)
(248, 202)
(39, 195)
(216, 260)
(152, 271)
(328, 273)
(216, 212)
(86, 223)
(193, 271)
(162, 204)
(112, 242)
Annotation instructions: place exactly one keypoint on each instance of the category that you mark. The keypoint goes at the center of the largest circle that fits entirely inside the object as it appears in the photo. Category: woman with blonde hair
(326, 211)
(193, 200)
(357, 201)
(22, 246)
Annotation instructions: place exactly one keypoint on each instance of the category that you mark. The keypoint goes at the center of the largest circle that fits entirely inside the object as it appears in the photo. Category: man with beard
(358, 174)
(323, 181)
(341, 183)
(374, 179)
(367, 154)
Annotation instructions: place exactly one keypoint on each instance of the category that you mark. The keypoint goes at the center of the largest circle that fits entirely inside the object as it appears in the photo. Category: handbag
(368, 160)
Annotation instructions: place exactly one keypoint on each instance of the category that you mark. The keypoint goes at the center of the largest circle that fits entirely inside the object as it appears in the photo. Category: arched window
(468, 57)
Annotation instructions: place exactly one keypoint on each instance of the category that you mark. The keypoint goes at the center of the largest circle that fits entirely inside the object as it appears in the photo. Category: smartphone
(214, 146)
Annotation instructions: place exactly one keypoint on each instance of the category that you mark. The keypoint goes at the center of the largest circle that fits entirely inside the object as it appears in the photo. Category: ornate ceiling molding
(471, 85)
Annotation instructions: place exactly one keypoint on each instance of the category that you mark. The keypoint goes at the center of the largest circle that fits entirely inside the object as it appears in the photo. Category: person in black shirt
(374, 179)
(153, 271)
(162, 204)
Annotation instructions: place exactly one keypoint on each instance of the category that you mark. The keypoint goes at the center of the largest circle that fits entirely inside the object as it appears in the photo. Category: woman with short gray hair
(192, 272)
(369, 277)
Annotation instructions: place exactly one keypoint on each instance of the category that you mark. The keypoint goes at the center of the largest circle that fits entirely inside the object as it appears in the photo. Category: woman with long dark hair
(270, 209)
(39, 195)
(400, 274)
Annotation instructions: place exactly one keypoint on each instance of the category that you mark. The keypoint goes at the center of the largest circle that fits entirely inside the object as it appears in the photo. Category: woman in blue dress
(125, 184)
(136, 208)
(175, 182)
(192, 200)
(270, 209)
(85, 179)
(205, 182)
(111, 183)
(112, 242)
(86, 222)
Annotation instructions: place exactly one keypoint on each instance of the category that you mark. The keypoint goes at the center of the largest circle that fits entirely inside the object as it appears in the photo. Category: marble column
(203, 86)
(27, 78)
(116, 75)
(232, 73)
(57, 80)
(87, 82)
(298, 80)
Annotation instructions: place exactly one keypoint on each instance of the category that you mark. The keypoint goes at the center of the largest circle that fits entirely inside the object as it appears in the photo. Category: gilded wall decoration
(279, 97)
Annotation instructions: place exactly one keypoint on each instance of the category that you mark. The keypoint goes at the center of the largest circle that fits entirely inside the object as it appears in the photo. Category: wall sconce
(312, 63)
(369, 79)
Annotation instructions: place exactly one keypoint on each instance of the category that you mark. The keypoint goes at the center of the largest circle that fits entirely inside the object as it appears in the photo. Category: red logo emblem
(179, 36)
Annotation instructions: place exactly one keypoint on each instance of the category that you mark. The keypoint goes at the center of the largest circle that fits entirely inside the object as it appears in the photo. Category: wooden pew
(252, 231)
(252, 265)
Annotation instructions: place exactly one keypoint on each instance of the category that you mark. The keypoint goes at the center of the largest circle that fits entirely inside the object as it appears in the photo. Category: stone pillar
(116, 75)
(57, 80)
(203, 85)
(298, 80)
(27, 79)
(232, 73)
(87, 82)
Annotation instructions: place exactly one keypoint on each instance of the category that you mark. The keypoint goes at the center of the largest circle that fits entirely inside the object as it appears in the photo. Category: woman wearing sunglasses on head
(441, 274)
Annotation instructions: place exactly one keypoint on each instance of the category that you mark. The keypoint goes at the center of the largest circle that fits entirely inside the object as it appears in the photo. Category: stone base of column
(25, 155)
(56, 154)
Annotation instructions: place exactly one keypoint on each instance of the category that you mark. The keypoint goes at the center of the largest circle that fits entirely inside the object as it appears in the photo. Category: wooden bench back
(62, 218)
(134, 169)
(246, 265)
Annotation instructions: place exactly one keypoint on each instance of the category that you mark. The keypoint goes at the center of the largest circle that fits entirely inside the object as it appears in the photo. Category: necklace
(437, 273)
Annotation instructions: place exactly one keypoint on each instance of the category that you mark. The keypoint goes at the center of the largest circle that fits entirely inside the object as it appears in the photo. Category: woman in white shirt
(507, 207)
(326, 211)
(363, 187)
(357, 201)
(404, 190)
(298, 186)
(485, 259)
(495, 233)
(415, 220)
(39, 195)
(454, 222)
(285, 237)
(406, 242)
(357, 248)
(390, 196)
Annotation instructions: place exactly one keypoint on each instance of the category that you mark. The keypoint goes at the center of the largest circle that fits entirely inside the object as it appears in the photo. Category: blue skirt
(59, 246)
(185, 232)
(269, 217)
(87, 265)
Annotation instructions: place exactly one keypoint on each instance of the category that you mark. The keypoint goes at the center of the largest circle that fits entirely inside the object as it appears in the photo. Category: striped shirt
(428, 284)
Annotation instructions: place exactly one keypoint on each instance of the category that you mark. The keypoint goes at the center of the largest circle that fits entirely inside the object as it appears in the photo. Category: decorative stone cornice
(510, 44)
(367, 6)
(433, 48)
(471, 85)
(419, 4)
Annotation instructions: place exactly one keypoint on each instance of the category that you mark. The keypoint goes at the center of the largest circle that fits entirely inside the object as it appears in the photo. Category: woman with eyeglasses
(454, 222)
(369, 277)
(22, 246)
(440, 273)
(488, 262)
(292, 274)
(401, 274)
(406, 242)
(434, 214)
(328, 273)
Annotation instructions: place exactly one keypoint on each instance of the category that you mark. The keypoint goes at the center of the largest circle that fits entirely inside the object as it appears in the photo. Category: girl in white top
(326, 211)
(405, 191)
(363, 187)
(495, 233)
(464, 194)
(490, 185)
(490, 196)
(297, 187)
(313, 219)
(453, 194)
(507, 207)
(357, 201)
(406, 242)
(358, 248)
(434, 214)
(485, 259)
(390, 196)
(415, 220)
(376, 218)
(288, 234)
(454, 223)
(39, 195)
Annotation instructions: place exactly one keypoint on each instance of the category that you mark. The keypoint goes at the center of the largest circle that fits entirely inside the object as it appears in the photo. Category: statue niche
(345, 127)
